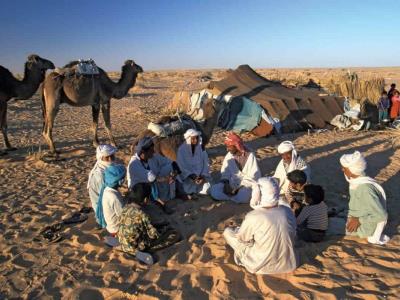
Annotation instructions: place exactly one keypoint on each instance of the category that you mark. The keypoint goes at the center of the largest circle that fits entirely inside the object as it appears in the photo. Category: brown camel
(93, 90)
(168, 146)
(12, 88)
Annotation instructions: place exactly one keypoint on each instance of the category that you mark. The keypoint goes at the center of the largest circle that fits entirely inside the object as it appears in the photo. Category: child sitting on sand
(294, 195)
(312, 220)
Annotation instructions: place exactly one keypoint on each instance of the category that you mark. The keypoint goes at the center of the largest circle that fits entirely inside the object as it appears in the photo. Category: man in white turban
(290, 161)
(193, 162)
(264, 243)
(105, 155)
(367, 215)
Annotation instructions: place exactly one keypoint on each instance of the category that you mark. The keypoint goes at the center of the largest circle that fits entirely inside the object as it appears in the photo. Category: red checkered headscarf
(232, 139)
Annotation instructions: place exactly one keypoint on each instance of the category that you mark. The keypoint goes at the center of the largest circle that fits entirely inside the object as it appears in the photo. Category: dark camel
(12, 88)
(168, 146)
(95, 91)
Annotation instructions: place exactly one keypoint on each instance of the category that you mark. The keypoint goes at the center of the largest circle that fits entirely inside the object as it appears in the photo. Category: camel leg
(3, 124)
(106, 108)
(95, 116)
(52, 106)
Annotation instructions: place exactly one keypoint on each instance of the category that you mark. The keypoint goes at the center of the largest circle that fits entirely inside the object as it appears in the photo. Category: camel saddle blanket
(172, 126)
(87, 67)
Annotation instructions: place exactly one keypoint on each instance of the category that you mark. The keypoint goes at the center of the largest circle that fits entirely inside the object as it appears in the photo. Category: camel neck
(29, 84)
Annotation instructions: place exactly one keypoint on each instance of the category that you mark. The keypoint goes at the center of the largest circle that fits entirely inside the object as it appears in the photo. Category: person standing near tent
(193, 162)
(391, 91)
(105, 155)
(290, 161)
(264, 242)
(383, 107)
(151, 175)
(367, 215)
(395, 109)
(239, 172)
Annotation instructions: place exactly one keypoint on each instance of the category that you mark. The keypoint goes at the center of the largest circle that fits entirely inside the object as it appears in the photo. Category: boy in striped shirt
(312, 221)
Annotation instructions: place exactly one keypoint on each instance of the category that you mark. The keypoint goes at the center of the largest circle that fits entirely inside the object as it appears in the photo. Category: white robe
(297, 163)
(95, 182)
(112, 209)
(158, 166)
(244, 179)
(193, 163)
(264, 243)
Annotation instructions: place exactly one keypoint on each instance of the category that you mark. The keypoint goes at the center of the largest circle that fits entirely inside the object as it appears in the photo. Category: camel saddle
(169, 126)
(79, 68)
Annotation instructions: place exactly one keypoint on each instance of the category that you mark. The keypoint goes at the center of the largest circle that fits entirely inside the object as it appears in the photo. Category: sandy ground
(38, 192)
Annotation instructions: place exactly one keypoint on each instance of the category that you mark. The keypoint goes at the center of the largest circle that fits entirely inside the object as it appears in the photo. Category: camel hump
(79, 67)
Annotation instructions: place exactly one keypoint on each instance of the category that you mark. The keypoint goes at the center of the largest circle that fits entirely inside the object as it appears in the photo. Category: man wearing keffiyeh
(239, 172)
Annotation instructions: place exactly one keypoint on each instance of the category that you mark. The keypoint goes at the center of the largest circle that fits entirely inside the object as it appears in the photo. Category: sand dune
(37, 192)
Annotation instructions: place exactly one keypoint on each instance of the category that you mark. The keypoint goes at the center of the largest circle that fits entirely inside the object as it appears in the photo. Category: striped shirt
(314, 216)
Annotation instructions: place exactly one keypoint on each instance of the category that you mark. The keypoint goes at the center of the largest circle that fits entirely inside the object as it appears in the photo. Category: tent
(297, 109)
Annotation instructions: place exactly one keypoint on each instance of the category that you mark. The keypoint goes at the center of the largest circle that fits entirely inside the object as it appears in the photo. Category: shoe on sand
(111, 241)
(144, 257)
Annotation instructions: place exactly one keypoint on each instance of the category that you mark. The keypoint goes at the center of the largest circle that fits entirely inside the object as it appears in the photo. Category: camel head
(36, 62)
(131, 66)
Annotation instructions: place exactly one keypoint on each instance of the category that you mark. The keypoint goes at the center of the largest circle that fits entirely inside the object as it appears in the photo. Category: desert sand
(37, 190)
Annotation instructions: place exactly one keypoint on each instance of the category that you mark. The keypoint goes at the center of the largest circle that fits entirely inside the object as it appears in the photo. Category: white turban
(285, 146)
(269, 189)
(355, 162)
(104, 151)
(191, 133)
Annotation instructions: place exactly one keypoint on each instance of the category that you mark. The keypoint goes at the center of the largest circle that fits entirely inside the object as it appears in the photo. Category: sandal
(75, 218)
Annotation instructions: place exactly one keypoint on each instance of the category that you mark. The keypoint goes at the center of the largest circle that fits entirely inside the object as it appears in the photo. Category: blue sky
(202, 34)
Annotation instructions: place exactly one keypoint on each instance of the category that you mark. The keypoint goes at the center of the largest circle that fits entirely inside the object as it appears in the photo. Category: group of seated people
(284, 206)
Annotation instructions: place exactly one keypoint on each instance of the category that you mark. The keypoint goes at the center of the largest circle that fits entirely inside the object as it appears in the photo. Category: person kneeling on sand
(367, 215)
(239, 172)
(110, 203)
(105, 155)
(151, 175)
(312, 221)
(193, 162)
(264, 242)
(127, 224)
(290, 161)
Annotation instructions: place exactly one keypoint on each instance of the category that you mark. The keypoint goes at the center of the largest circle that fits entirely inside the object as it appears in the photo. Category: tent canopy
(297, 109)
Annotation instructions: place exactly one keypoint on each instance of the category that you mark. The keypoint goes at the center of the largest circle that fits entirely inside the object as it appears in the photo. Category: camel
(12, 88)
(168, 146)
(82, 90)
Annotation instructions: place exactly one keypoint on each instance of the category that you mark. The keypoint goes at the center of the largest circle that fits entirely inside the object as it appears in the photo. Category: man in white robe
(151, 175)
(111, 199)
(193, 163)
(105, 155)
(239, 172)
(367, 215)
(264, 242)
(290, 161)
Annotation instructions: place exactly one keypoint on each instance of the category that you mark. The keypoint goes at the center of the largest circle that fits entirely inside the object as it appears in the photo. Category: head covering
(269, 189)
(285, 147)
(113, 177)
(191, 133)
(104, 151)
(355, 162)
(143, 145)
(232, 139)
